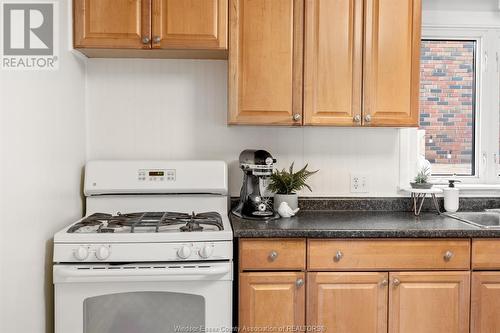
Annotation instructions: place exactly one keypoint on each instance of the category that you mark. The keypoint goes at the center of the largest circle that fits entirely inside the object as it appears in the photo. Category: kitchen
(55, 121)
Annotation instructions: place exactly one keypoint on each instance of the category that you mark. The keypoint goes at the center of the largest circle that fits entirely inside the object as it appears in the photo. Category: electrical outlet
(359, 183)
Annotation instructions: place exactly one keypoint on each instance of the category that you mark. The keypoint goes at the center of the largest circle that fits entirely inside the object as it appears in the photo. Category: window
(448, 105)
(459, 104)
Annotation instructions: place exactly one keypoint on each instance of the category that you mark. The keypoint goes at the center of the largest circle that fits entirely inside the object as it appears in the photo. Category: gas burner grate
(150, 221)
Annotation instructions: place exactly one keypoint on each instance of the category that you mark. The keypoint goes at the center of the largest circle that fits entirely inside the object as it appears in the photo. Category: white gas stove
(160, 229)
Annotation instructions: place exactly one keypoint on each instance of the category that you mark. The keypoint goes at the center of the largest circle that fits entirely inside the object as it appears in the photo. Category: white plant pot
(291, 199)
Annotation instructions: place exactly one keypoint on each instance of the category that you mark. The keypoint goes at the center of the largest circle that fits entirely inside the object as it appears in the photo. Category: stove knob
(81, 253)
(184, 252)
(102, 252)
(206, 251)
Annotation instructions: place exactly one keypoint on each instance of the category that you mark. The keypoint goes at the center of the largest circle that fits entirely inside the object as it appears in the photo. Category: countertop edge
(369, 234)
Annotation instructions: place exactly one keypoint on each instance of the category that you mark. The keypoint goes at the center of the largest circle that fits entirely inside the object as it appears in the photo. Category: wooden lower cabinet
(347, 302)
(429, 302)
(427, 299)
(485, 307)
(271, 301)
(397, 302)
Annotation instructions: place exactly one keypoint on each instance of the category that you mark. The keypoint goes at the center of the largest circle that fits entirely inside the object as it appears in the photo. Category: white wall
(42, 144)
(176, 109)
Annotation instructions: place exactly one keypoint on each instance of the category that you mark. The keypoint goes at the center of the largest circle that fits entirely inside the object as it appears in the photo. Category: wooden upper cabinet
(270, 302)
(485, 311)
(333, 62)
(190, 24)
(348, 302)
(265, 62)
(151, 28)
(359, 64)
(391, 62)
(112, 24)
(431, 302)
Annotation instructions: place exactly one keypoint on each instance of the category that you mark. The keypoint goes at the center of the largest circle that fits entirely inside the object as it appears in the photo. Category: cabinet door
(120, 24)
(391, 62)
(190, 24)
(485, 310)
(348, 302)
(430, 302)
(333, 62)
(265, 62)
(271, 301)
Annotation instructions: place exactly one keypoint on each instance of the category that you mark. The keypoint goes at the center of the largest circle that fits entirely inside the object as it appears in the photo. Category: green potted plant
(285, 185)
(420, 181)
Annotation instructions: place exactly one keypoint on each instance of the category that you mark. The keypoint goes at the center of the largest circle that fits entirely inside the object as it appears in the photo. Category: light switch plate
(359, 183)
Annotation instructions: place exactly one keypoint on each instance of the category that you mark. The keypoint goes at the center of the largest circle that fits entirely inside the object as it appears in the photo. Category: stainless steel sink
(485, 220)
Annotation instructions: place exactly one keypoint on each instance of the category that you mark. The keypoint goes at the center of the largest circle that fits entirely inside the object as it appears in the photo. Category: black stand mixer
(257, 165)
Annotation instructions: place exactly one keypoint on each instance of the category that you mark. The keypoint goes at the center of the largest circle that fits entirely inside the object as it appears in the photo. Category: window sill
(472, 190)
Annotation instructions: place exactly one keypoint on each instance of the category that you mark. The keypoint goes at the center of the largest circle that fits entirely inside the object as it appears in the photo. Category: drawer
(272, 254)
(388, 254)
(486, 253)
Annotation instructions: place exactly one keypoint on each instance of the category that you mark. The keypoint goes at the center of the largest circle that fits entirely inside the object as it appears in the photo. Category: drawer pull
(299, 283)
(396, 282)
(338, 256)
(273, 255)
(448, 255)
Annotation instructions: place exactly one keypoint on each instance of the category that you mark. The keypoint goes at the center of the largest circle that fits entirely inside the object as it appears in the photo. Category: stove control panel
(143, 252)
(156, 175)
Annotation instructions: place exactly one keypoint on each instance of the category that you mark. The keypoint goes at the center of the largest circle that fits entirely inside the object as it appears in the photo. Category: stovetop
(148, 222)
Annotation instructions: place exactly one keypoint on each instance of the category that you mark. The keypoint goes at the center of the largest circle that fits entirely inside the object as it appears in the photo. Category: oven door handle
(70, 274)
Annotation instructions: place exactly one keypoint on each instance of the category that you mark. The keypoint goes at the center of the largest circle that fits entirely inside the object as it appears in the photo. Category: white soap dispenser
(451, 196)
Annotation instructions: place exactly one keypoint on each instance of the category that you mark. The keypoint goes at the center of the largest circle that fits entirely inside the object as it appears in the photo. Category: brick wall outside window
(447, 104)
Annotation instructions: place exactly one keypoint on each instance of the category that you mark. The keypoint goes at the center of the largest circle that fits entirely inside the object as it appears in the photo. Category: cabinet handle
(145, 40)
(448, 255)
(384, 283)
(368, 118)
(156, 39)
(299, 283)
(338, 256)
(273, 255)
(357, 118)
(396, 282)
(296, 117)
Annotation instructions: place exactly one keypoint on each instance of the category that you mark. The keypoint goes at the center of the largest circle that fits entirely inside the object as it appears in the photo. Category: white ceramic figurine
(285, 211)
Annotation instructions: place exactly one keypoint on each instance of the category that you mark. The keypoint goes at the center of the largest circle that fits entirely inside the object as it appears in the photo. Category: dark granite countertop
(359, 224)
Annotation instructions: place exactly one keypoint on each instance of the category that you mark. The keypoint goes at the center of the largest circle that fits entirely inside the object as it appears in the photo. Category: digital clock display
(156, 173)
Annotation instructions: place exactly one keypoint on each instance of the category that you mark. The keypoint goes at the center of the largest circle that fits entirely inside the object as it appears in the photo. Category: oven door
(136, 298)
